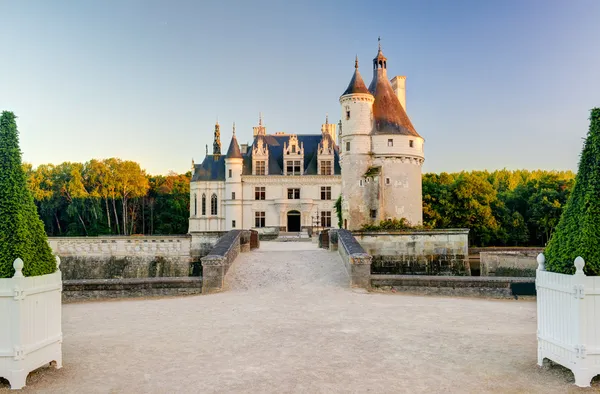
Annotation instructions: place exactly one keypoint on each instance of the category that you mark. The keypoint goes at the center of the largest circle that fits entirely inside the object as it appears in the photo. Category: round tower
(397, 152)
(355, 149)
(233, 185)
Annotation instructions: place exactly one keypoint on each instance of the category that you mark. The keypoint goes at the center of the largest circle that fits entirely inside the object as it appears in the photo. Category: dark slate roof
(275, 144)
(388, 114)
(356, 85)
(211, 169)
(234, 149)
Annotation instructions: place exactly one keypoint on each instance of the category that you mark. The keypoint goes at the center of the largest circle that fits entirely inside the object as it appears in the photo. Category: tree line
(114, 196)
(502, 208)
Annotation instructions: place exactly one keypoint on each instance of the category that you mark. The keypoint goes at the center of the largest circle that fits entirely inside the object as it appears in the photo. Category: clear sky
(490, 84)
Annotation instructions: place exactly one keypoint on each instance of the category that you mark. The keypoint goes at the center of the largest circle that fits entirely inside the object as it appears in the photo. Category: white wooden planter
(568, 312)
(30, 324)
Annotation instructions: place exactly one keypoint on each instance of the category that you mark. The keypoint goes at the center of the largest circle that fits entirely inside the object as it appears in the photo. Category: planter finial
(541, 260)
(18, 266)
(579, 263)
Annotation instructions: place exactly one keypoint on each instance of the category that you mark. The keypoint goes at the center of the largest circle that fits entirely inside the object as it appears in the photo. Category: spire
(356, 85)
(217, 141)
(260, 129)
(380, 61)
(234, 129)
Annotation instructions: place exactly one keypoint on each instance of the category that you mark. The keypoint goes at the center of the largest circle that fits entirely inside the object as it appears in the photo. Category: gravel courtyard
(289, 323)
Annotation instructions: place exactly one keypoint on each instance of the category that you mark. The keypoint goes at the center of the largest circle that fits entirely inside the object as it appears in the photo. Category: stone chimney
(399, 86)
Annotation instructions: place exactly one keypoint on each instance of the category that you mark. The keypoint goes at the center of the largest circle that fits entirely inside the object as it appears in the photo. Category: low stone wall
(216, 264)
(356, 260)
(122, 256)
(90, 289)
(509, 263)
(497, 287)
(113, 257)
(427, 252)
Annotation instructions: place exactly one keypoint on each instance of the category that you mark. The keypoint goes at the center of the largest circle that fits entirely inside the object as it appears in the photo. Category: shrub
(578, 230)
(21, 230)
(391, 225)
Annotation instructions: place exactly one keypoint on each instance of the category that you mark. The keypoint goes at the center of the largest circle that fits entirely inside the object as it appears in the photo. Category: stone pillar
(213, 274)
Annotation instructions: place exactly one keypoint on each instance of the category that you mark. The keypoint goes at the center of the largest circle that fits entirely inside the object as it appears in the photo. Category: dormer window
(325, 167)
(293, 167)
(293, 148)
(260, 167)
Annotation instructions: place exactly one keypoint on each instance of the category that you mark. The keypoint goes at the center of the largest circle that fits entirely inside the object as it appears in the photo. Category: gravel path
(289, 323)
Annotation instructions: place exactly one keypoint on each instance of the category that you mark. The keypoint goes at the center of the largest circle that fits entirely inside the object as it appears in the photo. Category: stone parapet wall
(356, 260)
(216, 264)
(417, 252)
(497, 287)
(90, 289)
(113, 257)
(509, 262)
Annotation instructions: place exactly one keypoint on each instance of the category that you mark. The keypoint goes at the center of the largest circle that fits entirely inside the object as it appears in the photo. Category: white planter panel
(568, 310)
(30, 324)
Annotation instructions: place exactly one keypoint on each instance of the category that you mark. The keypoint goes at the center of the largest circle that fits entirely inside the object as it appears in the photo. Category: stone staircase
(293, 237)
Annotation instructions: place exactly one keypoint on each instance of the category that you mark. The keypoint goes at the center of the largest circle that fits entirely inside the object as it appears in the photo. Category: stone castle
(288, 182)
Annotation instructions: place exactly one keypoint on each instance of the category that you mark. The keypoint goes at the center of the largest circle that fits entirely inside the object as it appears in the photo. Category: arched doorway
(293, 221)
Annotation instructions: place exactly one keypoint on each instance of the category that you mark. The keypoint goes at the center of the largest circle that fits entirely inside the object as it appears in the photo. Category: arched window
(203, 204)
(195, 205)
(213, 204)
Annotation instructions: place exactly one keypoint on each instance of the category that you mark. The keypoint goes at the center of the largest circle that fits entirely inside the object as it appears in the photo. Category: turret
(355, 146)
(233, 185)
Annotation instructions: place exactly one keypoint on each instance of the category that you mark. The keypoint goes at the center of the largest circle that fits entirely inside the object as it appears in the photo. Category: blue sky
(490, 84)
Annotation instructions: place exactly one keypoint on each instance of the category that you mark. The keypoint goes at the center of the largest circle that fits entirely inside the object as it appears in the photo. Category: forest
(114, 196)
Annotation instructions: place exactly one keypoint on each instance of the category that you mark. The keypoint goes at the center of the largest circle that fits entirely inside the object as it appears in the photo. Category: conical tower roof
(388, 114)
(234, 149)
(356, 85)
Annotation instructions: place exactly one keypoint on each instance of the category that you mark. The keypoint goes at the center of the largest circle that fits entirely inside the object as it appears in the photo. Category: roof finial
(326, 118)
(206, 149)
(234, 129)
(260, 118)
(217, 121)
(379, 42)
(356, 62)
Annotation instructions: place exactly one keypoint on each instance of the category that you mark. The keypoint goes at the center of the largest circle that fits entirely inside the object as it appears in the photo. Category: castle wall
(208, 222)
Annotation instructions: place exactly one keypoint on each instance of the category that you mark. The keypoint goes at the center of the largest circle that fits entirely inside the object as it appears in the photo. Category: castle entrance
(293, 222)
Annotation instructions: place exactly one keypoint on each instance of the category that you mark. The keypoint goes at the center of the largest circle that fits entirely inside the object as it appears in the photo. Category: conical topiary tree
(21, 230)
(578, 230)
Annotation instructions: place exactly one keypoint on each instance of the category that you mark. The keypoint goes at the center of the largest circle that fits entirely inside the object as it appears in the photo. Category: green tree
(21, 230)
(578, 229)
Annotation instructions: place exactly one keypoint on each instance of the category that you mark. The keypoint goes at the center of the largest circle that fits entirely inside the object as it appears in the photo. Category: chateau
(289, 182)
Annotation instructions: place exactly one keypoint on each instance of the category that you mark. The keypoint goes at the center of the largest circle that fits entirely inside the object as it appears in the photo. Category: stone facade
(257, 190)
(431, 252)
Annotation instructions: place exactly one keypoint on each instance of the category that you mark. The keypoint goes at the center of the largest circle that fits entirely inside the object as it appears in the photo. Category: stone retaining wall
(356, 260)
(509, 263)
(497, 287)
(90, 289)
(426, 252)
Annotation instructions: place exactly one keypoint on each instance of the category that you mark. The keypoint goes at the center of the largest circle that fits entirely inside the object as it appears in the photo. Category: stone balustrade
(356, 260)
